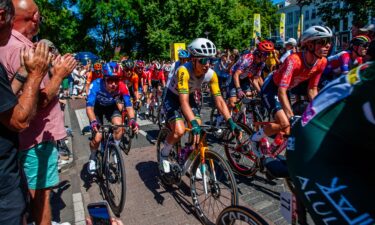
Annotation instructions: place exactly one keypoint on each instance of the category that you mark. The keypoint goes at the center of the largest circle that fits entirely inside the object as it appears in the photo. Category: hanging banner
(282, 27)
(256, 28)
(300, 26)
(175, 47)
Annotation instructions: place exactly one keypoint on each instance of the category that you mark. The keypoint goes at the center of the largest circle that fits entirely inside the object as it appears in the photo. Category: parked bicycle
(213, 185)
(110, 169)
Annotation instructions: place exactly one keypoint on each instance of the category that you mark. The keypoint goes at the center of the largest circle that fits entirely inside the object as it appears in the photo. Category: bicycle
(240, 214)
(110, 169)
(217, 185)
(128, 133)
(246, 161)
(153, 107)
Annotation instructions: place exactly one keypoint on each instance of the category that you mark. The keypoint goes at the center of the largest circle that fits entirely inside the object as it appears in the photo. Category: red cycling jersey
(130, 79)
(157, 75)
(294, 71)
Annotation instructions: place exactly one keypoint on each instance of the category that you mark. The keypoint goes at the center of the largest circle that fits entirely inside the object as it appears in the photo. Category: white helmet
(315, 33)
(202, 47)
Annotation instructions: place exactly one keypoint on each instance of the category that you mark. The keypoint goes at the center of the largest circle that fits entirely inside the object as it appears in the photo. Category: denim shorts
(12, 207)
(40, 165)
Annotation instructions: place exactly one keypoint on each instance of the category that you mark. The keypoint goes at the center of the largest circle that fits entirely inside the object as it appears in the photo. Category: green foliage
(332, 11)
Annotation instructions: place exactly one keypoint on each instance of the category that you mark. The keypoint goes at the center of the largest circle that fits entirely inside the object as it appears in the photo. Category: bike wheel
(240, 215)
(115, 189)
(221, 187)
(213, 117)
(167, 179)
(243, 163)
(126, 139)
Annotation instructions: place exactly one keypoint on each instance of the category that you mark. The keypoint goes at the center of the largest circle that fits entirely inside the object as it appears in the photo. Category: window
(289, 18)
(313, 14)
(289, 32)
(307, 15)
(345, 24)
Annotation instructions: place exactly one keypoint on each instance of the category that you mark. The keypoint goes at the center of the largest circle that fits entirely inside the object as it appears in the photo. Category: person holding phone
(100, 214)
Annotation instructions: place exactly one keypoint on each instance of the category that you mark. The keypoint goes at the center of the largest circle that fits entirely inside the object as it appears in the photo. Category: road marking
(143, 133)
(148, 137)
(82, 118)
(79, 211)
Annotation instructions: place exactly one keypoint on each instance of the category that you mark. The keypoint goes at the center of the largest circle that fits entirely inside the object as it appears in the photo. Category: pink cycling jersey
(294, 71)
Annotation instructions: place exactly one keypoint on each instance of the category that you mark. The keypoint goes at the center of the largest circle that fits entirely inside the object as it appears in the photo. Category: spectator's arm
(62, 67)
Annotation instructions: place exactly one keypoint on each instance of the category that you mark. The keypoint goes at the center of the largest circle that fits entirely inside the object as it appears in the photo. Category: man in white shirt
(290, 46)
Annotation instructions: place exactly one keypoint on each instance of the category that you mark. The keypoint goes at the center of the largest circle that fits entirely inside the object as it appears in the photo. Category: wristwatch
(20, 78)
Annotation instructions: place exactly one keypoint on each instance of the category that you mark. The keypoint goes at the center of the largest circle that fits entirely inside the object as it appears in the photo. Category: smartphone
(99, 213)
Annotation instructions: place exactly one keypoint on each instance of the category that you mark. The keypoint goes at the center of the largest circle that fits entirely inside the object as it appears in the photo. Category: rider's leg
(281, 124)
(117, 133)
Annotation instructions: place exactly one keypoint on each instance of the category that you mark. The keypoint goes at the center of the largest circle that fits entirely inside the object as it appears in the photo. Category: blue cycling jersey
(98, 94)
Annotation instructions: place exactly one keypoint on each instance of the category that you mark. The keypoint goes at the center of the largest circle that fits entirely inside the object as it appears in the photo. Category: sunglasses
(365, 45)
(204, 61)
(112, 80)
(323, 41)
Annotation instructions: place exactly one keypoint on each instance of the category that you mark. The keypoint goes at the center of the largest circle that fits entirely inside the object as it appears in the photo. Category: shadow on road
(57, 201)
(258, 183)
(148, 172)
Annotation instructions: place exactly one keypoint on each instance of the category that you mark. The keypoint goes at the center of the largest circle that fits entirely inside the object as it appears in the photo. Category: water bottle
(264, 145)
(276, 143)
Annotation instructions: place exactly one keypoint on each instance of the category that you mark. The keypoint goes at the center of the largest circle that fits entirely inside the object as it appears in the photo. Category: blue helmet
(108, 70)
(183, 54)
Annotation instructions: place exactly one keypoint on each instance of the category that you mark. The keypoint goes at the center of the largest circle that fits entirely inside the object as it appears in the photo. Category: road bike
(127, 134)
(240, 215)
(110, 169)
(212, 183)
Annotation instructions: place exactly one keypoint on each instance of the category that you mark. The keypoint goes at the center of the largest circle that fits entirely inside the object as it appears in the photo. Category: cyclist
(143, 78)
(179, 99)
(307, 65)
(249, 66)
(342, 62)
(157, 81)
(93, 75)
(103, 100)
(131, 79)
(321, 146)
(183, 57)
(290, 47)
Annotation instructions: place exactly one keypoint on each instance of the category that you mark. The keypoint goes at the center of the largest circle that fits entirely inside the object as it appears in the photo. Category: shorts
(155, 84)
(173, 107)
(244, 84)
(40, 165)
(107, 111)
(12, 207)
(269, 94)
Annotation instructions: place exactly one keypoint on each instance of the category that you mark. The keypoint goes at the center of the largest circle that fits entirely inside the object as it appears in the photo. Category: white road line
(143, 133)
(82, 118)
(79, 211)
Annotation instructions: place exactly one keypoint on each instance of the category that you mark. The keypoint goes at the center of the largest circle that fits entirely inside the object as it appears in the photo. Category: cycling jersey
(248, 67)
(98, 94)
(341, 63)
(93, 75)
(131, 80)
(157, 75)
(294, 71)
(327, 153)
(185, 82)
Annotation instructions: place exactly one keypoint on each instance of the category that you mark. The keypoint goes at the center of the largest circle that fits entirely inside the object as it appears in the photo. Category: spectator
(38, 153)
(290, 47)
(15, 115)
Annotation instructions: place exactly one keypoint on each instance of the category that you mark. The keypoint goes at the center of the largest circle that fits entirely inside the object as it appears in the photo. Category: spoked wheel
(160, 117)
(242, 161)
(115, 178)
(170, 178)
(221, 187)
(215, 115)
(234, 215)
(126, 139)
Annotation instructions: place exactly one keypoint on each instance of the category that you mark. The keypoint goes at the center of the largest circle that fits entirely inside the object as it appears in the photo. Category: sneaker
(164, 165)
(91, 167)
(56, 223)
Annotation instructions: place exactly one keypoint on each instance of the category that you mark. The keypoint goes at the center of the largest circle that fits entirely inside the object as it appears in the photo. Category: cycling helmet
(359, 40)
(139, 64)
(157, 66)
(315, 33)
(108, 70)
(97, 66)
(183, 54)
(202, 47)
(128, 64)
(167, 68)
(265, 46)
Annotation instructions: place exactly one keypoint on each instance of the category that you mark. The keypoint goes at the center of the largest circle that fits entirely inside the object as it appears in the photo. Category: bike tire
(232, 214)
(119, 177)
(126, 139)
(249, 167)
(227, 190)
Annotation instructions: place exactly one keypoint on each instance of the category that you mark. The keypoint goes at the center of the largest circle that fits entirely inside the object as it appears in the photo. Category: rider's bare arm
(312, 92)
(283, 98)
(236, 78)
(90, 113)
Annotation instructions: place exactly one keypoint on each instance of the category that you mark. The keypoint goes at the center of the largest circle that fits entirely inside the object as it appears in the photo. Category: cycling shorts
(173, 107)
(108, 112)
(155, 84)
(244, 84)
(269, 94)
